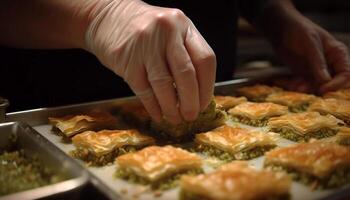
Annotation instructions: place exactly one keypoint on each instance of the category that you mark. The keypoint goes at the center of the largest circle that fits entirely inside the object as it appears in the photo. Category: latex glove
(159, 53)
(319, 60)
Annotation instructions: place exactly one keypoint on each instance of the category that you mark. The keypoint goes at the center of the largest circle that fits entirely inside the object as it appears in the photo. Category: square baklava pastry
(336, 107)
(236, 180)
(233, 143)
(256, 114)
(296, 101)
(156, 166)
(102, 147)
(300, 127)
(257, 93)
(318, 164)
(208, 119)
(70, 125)
(227, 102)
(339, 94)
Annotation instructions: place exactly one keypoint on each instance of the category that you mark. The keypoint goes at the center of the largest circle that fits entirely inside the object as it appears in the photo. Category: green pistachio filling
(161, 184)
(185, 195)
(251, 122)
(338, 177)
(291, 135)
(299, 108)
(18, 173)
(227, 157)
(100, 160)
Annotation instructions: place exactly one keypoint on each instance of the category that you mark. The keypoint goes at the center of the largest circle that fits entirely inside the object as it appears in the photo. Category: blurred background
(255, 53)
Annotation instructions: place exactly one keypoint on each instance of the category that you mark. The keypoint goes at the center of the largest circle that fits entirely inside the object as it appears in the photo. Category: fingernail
(190, 116)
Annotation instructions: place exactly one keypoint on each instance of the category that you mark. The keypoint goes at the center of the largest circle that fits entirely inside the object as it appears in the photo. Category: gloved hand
(159, 53)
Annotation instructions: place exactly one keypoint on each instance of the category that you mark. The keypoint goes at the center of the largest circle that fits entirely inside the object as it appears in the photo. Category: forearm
(45, 23)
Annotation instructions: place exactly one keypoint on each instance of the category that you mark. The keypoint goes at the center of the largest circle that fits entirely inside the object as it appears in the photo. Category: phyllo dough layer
(303, 126)
(320, 164)
(236, 181)
(256, 114)
(157, 166)
(257, 92)
(232, 143)
(100, 148)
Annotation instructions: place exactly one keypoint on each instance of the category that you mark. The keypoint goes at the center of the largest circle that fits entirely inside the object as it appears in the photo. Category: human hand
(310, 51)
(159, 53)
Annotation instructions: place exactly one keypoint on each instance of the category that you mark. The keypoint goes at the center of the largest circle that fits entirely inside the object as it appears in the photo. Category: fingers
(338, 59)
(138, 82)
(317, 60)
(163, 87)
(204, 61)
(341, 80)
(185, 77)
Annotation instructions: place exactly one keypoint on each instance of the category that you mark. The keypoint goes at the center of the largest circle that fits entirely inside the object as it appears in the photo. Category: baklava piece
(68, 126)
(233, 143)
(296, 102)
(300, 127)
(236, 181)
(257, 93)
(339, 94)
(318, 164)
(337, 107)
(256, 114)
(227, 102)
(209, 119)
(101, 148)
(158, 167)
(135, 114)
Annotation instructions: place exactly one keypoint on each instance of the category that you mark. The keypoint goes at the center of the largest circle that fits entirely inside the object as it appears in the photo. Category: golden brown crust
(234, 139)
(303, 123)
(105, 141)
(155, 162)
(290, 99)
(72, 124)
(339, 94)
(316, 158)
(227, 102)
(258, 110)
(237, 181)
(258, 91)
(336, 107)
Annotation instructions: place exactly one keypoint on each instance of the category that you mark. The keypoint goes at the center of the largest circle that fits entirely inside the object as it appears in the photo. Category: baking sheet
(119, 189)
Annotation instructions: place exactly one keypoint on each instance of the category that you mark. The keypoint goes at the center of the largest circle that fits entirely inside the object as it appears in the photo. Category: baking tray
(18, 136)
(103, 177)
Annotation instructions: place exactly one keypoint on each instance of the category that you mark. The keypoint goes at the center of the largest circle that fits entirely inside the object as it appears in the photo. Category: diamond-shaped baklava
(336, 107)
(233, 143)
(159, 167)
(319, 164)
(339, 94)
(258, 92)
(236, 181)
(256, 114)
(227, 102)
(304, 126)
(72, 124)
(296, 102)
(101, 148)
